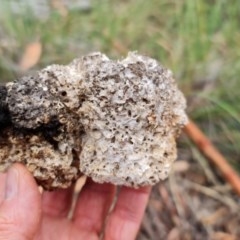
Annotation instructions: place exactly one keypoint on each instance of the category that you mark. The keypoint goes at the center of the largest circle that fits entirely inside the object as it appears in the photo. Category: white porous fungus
(115, 121)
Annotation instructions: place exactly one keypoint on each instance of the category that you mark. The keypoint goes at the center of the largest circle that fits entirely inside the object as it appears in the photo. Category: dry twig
(207, 148)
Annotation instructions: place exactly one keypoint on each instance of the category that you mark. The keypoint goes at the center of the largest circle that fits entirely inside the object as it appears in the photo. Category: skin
(25, 214)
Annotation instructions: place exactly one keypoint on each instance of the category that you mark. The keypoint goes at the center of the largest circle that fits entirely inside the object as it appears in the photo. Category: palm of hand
(45, 217)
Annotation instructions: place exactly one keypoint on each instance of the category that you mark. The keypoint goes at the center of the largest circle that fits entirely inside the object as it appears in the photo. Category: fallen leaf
(174, 234)
(60, 7)
(181, 166)
(222, 236)
(31, 56)
(215, 217)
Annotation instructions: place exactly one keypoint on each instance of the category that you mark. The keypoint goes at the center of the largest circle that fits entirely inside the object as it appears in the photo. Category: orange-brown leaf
(31, 56)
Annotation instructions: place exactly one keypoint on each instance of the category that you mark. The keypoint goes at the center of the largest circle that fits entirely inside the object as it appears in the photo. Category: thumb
(20, 204)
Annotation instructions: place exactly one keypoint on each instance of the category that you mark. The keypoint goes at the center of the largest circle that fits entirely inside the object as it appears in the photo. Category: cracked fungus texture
(114, 121)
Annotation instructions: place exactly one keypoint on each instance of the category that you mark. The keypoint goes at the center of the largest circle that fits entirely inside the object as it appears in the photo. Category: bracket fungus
(114, 121)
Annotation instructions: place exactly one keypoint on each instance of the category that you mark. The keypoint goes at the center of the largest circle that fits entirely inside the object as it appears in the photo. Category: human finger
(93, 205)
(57, 203)
(2, 186)
(125, 219)
(20, 210)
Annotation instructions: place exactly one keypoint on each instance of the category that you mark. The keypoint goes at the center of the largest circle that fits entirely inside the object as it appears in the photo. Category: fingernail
(11, 183)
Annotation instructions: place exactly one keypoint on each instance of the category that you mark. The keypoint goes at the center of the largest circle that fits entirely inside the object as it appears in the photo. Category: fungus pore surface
(114, 121)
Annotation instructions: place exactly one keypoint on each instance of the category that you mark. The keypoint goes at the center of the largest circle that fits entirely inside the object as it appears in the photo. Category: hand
(25, 214)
